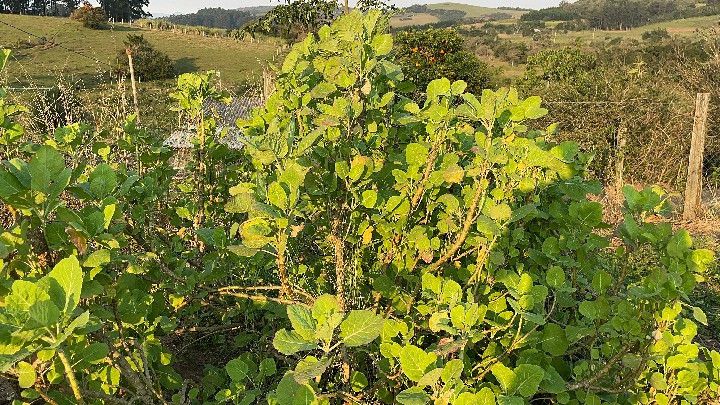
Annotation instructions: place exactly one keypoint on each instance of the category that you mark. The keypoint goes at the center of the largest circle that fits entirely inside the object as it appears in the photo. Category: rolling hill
(437, 12)
(66, 48)
(474, 11)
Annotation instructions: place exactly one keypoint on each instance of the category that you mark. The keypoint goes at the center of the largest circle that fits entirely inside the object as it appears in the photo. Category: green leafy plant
(360, 248)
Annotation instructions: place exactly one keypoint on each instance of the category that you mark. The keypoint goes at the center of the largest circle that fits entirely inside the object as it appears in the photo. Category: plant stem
(339, 253)
(469, 220)
(71, 377)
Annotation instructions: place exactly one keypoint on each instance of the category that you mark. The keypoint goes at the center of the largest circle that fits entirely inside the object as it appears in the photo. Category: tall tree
(39, 7)
(125, 9)
(16, 6)
(72, 5)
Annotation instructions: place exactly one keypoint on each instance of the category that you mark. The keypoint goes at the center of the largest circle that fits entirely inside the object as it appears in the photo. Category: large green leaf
(103, 181)
(483, 397)
(31, 303)
(416, 154)
(555, 277)
(290, 392)
(64, 284)
(554, 340)
(504, 375)
(26, 374)
(277, 196)
(289, 343)
(523, 380)
(413, 396)
(9, 184)
(438, 87)
(415, 362)
(382, 44)
(527, 379)
(360, 328)
(237, 369)
(45, 168)
(302, 321)
(311, 368)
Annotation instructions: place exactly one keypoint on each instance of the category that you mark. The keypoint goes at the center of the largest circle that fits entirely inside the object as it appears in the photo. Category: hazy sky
(187, 6)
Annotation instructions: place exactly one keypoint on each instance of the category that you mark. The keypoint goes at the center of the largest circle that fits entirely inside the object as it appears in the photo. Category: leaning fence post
(693, 188)
(129, 53)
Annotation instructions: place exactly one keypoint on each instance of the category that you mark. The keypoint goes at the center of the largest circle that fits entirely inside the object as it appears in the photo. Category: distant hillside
(452, 13)
(476, 11)
(257, 10)
(220, 17)
(621, 15)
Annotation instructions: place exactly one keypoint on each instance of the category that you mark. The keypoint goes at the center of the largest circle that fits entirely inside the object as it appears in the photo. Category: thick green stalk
(71, 377)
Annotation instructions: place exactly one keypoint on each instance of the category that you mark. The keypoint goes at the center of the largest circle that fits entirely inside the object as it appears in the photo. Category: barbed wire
(647, 101)
(56, 44)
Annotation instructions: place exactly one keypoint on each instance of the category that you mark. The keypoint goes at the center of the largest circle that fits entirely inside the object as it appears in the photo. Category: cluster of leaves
(424, 55)
(369, 248)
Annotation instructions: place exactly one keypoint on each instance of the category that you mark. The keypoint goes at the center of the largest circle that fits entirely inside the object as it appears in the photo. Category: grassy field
(684, 27)
(80, 53)
(411, 19)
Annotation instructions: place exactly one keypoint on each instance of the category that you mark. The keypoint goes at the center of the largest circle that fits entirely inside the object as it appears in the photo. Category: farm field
(412, 19)
(684, 28)
(472, 11)
(41, 63)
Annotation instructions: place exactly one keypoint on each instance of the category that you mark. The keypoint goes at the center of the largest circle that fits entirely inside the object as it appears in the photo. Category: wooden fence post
(268, 84)
(693, 188)
(621, 141)
(132, 80)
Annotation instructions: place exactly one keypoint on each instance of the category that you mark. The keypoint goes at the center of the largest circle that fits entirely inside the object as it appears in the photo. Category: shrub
(368, 249)
(560, 65)
(149, 63)
(91, 17)
(425, 55)
(656, 35)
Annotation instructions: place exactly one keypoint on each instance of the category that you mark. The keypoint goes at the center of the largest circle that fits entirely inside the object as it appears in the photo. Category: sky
(189, 6)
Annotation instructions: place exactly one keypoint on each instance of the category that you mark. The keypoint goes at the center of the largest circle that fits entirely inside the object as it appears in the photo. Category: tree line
(115, 9)
(219, 17)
